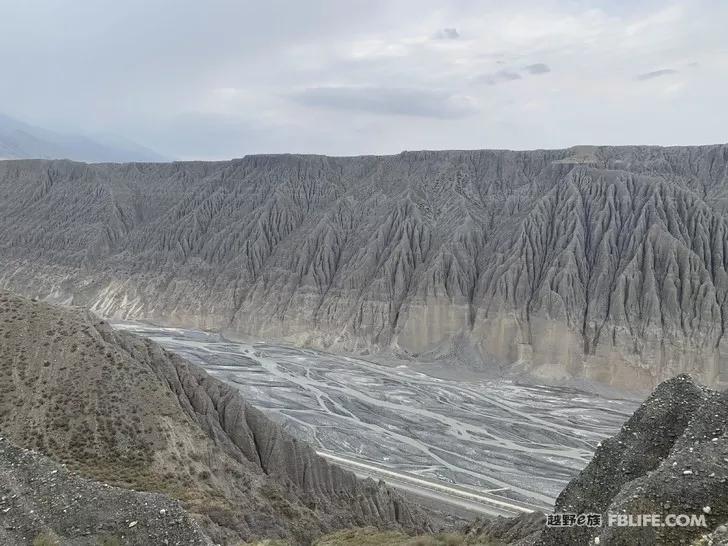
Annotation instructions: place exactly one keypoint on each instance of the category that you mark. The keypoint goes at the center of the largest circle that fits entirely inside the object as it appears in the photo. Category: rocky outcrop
(605, 263)
(522, 530)
(671, 457)
(41, 502)
(719, 537)
(118, 408)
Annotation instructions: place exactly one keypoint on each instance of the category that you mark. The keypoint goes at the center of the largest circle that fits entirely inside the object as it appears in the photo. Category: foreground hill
(44, 504)
(118, 408)
(671, 457)
(607, 263)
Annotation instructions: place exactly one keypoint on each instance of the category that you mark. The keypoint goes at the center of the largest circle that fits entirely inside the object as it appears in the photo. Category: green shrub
(46, 538)
(109, 541)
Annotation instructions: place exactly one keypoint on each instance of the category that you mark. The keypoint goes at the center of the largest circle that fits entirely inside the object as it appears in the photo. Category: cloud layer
(538, 68)
(233, 77)
(389, 100)
(656, 74)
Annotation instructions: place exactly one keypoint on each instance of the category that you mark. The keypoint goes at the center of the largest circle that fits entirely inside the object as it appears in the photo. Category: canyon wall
(604, 263)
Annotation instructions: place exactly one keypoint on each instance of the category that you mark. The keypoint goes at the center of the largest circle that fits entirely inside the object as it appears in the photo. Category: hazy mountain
(118, 408)
(605, 263)
(19, 140)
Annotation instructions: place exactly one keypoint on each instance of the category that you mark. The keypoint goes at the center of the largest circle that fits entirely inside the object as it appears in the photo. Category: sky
(217, 79)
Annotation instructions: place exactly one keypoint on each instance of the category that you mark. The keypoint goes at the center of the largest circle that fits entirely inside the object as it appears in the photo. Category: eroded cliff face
(607, 263)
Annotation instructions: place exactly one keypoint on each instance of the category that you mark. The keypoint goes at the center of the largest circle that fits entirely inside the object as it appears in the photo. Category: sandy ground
(516, 440)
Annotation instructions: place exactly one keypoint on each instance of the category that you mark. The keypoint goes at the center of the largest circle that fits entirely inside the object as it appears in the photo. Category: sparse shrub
(109, 541)
(46, 538)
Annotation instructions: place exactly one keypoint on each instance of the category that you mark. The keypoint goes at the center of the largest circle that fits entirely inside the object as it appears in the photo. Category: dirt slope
(120, 409)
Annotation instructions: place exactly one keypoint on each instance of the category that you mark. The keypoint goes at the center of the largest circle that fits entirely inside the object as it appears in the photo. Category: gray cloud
(498, 77)
(447, 34)
(363, 76)
(538, 68)
(206, 136)
(656, 74)
(389, 100)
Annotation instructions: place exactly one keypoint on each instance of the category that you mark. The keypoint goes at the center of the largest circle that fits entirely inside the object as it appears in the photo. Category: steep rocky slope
(671, 457)
(522, 530)
(719, 537)
(601, 262)
(118, 408)
(42, 503)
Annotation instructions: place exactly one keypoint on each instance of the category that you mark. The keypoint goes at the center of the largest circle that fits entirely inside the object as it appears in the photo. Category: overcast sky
(212, 79)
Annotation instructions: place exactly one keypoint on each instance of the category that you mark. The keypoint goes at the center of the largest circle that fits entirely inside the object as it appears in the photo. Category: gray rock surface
(671, 457)
(40, 499)
(522, 530)
(719, 537)
(118, 408)
(604, 263)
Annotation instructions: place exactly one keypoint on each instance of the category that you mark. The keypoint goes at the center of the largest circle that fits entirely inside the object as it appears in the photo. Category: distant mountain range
(19, 140)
